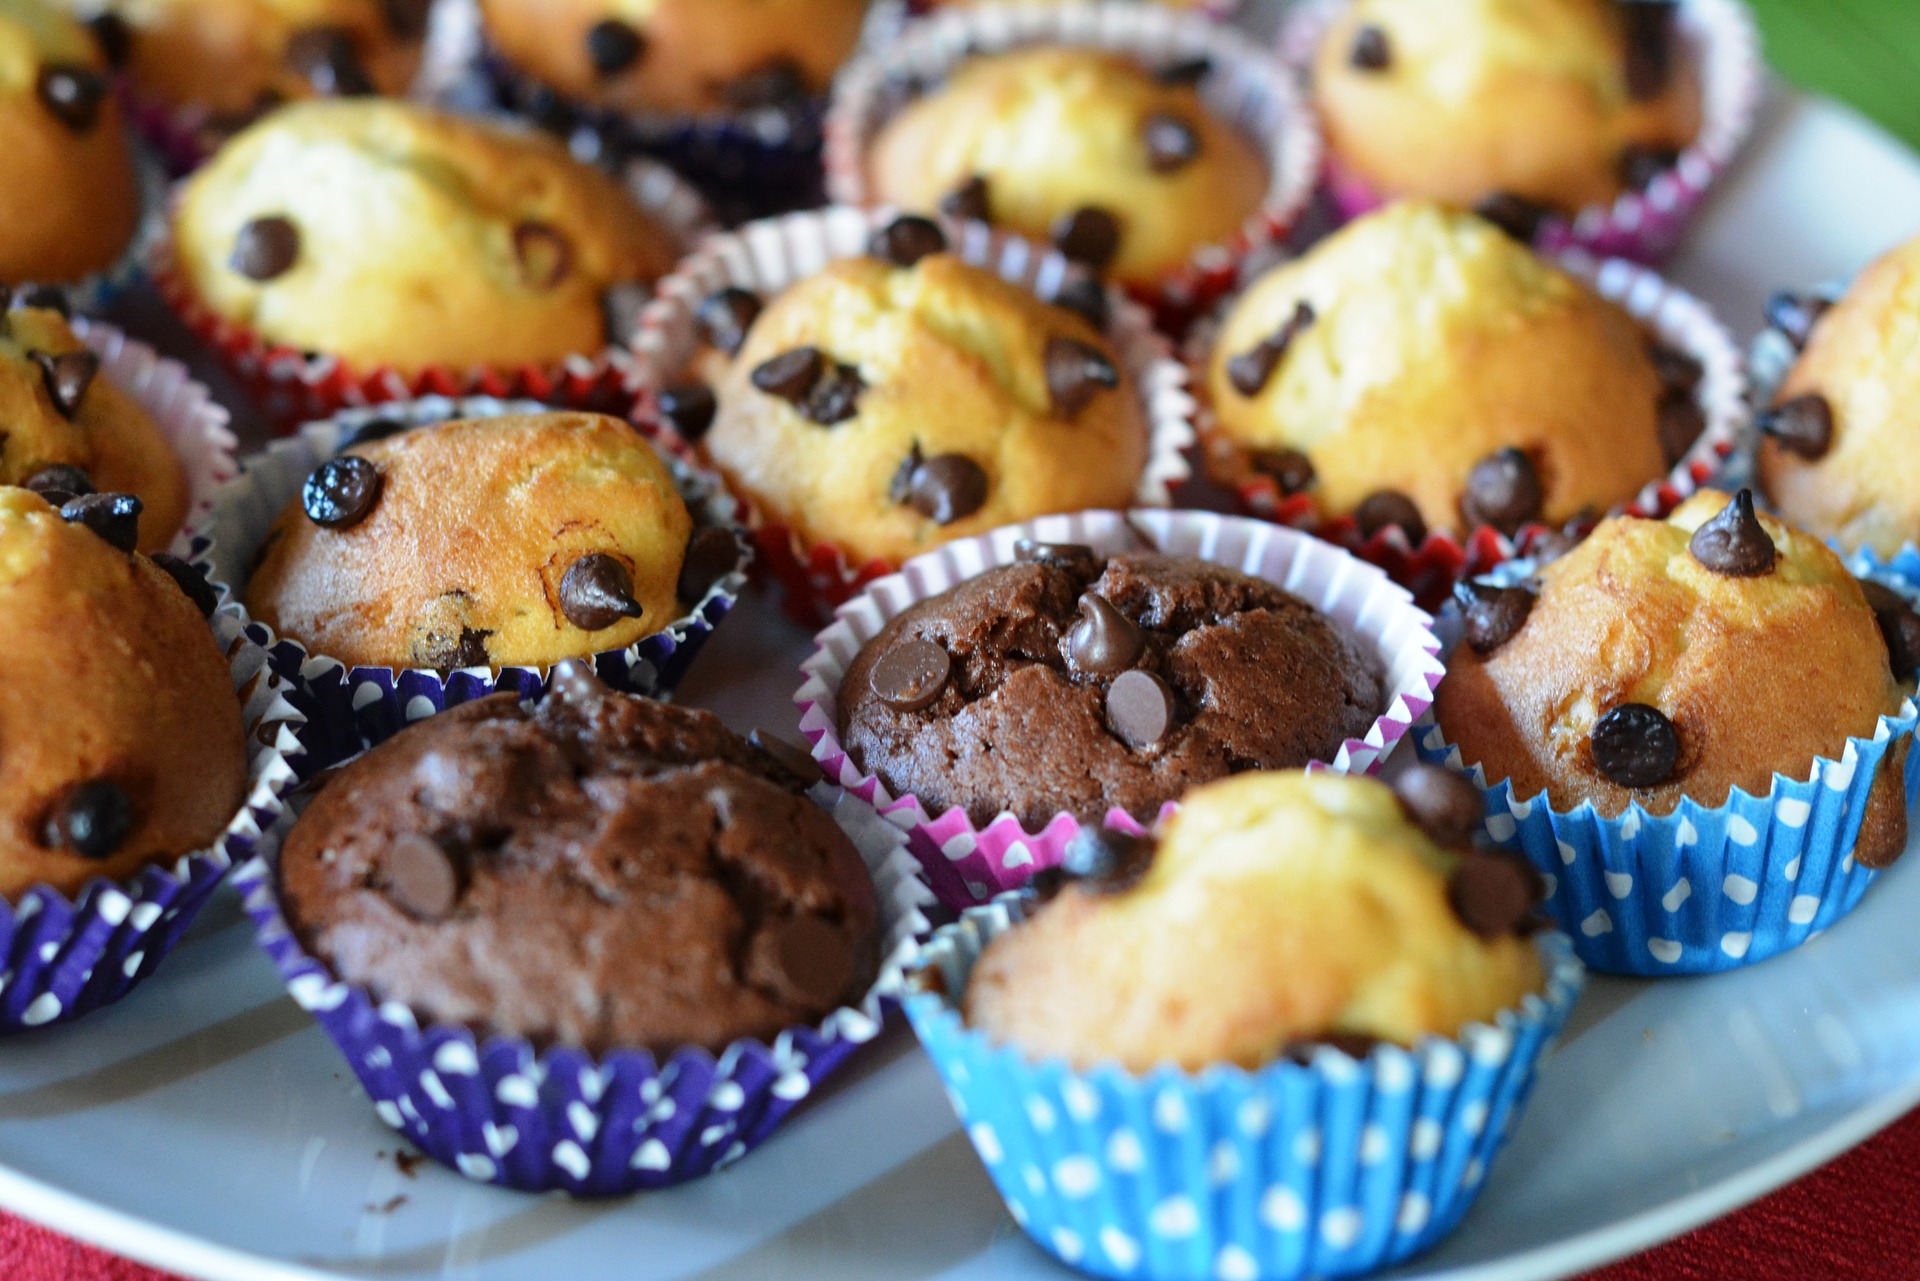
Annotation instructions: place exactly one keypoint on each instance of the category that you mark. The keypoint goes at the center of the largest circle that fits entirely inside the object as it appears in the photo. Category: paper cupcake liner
(888, 19)
(1706, 888)
(498, 1112)
(1646, 226)
(1247, 88)
(968, 864)
(770, 255)
(1321, 1169)
(355, 706)
(1431, 570)
(66, 957)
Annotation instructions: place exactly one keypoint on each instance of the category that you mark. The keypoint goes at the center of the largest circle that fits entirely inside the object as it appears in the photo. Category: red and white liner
(768, 256)
(1645, 226)
(1246, 88)
(968, 864)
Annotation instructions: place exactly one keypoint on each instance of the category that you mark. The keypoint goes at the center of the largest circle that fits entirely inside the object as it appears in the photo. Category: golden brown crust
(1883, 828)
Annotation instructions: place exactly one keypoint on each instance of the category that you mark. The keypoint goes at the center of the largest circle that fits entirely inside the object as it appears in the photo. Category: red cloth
(1855, 1218)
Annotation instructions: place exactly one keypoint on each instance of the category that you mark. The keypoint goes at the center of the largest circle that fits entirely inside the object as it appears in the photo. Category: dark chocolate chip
(906, 240)
(968, 202)
(341, 492)
(115, 517)
(1087, 297)
(726, 315)
(806, 960)
(1518, 216)
(1494, 895)
(911, 675)
(1088, 235)
(92, 820)
(1649, 51)
(114, 36)
(190, 581)
(1076, 374)
(688, 408)
(67, 378)
(1440, 803)
(59, 483)
(1105, 860)
(266, 248)
(1504, 491)
(1492, 615)
(836, 397)
(613, 47)
(946, 488)
(419, 877)
(1899, 626)
(1371, 51)
(1188, 71)
(712, 554)
(596, 592)
(1636, 746)
(1250, 371)
(544, 254)
(1735, 543)
(1795, 315)
(777, 85)
(1076, 558)
(1386, 508)
(470, 650)
(408, 18)
(1105, 642)
(1139, 709)
(1803, 426)
(795, 762)
(1638, 166)
(1678, 371)
(1289, 469)
(1172, 144)
(372, 432)
(791, 374)
(326, 59)
(73, 93)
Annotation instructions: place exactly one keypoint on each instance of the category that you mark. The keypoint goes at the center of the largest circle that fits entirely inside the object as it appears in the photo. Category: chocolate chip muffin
(67, 431)
(1838, 444)
(1124, 166)
(519, 539)
(678, 57)
(124, 740)
(1681, 658)
(391, 235)
(1559, 104)
(1421, 368)
(1333, 913)
(1069, 683)
(71, 200)
(602, 871)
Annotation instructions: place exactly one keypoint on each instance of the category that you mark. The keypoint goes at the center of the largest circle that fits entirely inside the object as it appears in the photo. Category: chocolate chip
(945, 488)
(1679, 372)
(266, 248)
(115, 517)
(688, 408)
(66, 378)
(73, 93)
(1250, 371)
(1649, 47)
(906, 240)
(1188, 71)
(1636, 746)
(1172, 144)
(725, 316)
(544, 254)
(326, 59)
(341, 492)
(1440, 803)
(1795, 315)
(1139, 709)
(806, 960)
(92, 820)
(911, 675)
(1494, 895)
(1386, 508)
(1087, 297)
(1504, 491)
(1734, 543)
(794, 761)
(1371, 51)
(1105, 642)
(59, 483)
(468, 649)
(1518, 216)
(712, 554)
(791, 374)
(1076, 374)
(778, 85)
(613, 47)
(1803, 426)
(1076, 558)
(836, 397)
(1899, 626)
(372, 432)
(114, 36)
(1088, 235)
(1492, 615)
(968, 202)
(1289, 469)
(596, 592)
(190, 581)
(408, 18)
(1105, 860)
(419, 877)
(1638, 166)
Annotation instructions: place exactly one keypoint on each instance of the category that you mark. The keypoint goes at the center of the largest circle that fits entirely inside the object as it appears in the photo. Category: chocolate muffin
(1069, 683)
(600, 871)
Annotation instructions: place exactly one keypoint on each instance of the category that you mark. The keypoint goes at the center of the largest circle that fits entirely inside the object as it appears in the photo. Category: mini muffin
(71, 200)
(1560, 103)
(69, 432)
(388, 234)
(1421, 368)
(520, 539)
(1330, 916)
(599, 871)
(1068, 684)
(1123, 168)
(1838, 449)
(123, 737)
(680, 57)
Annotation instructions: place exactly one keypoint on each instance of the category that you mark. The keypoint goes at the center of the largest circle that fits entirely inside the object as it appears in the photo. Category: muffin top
(601, 871)
(1330, 917)
(1837, 453)
(686, 57)
(1423, 353)
(1069, 683)
(123, 737)
(520, 539)
(70, 431)
(389, 234)
(1076, 144)
(1564, 103)
(1669, 659)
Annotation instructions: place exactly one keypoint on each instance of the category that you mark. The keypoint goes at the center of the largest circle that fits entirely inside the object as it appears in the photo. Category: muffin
(70, 432)
(518, 539)
(112, 685)
(1069, 683)
(388, 234)
(1124, 168)
(1420, 368)
(71, 199)
(1560, 104)
(1837, 448)
(598, 871)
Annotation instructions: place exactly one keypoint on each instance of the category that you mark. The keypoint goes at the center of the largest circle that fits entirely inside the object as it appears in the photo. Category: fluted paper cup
(888, 18)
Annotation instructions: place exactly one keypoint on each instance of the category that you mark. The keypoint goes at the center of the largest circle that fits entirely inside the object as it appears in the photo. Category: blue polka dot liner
(1329, 1168)
(355, 707)
(501, 1112)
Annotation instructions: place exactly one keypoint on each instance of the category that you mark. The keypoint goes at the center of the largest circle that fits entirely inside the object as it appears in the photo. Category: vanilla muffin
(69, 431)
(485, 542)
(1123, 169)
(71, 200)
(1330, 916)
(389, 234)
(1837, 452)
(1562, 103)
(680, 57)
(1421, 368)
(124, 741)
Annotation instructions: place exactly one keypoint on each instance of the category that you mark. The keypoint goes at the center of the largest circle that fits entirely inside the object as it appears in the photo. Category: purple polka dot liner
(1333, 1167)
(968, 864)
(357, 706)
(500, 1112)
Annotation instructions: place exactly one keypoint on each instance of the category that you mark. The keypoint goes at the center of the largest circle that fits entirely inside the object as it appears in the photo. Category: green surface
(1864, 52)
